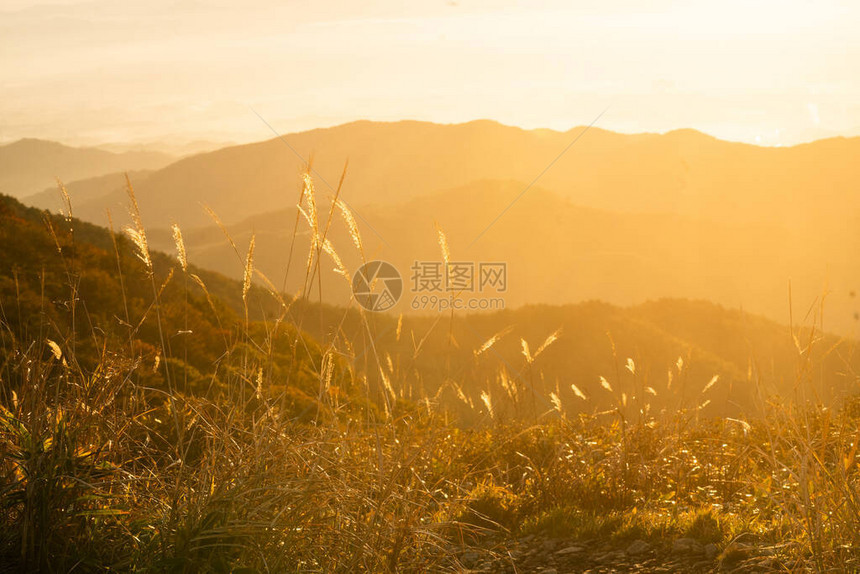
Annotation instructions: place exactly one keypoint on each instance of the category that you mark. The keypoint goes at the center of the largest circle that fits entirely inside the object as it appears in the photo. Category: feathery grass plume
(556, 402)
(258, 391)
(180, 247)
(165, 282)
(670, 378)
(493, 340)
(630, 366)
(704, 404)
(249, 270)
(312, 217)
(327, 370)
(711, 383)
(309, 196)
(157, 361)
(137, 233)
(306, 217)
(443, 246)
(314, 240)
(508, 385)
(744, 425)
(67, 200)
(350, 349)
(605, 384)
(526, 353)
(549, 341)
(488, 402)
(399, 327)
(328, 220)
(351, 226)
(440, 390)
(55, 349)
(223, 228)
(461, 395)
(651, 391)
(202, 285)
(47, 220)
(139, 240)
(273, 291)
(387, 384)
(623, 399)
(576, 391)
(680, 364)
(339, 268)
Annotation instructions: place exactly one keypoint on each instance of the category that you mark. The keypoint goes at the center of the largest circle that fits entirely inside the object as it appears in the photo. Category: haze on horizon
(90, 72)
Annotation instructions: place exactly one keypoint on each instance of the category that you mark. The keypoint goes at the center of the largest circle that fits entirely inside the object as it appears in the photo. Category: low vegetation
(154, 417)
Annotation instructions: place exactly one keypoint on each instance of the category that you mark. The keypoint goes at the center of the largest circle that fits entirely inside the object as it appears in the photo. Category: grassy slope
(106, 464)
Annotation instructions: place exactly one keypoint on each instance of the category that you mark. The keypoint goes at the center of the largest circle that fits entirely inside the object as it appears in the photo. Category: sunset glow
(761, 72)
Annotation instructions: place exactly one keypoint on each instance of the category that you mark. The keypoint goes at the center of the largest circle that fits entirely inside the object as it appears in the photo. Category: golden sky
(93, 71)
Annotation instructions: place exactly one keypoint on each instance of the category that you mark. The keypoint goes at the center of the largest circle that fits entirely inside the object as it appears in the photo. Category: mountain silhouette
(684, 172)
(558, 252)
(617, 217)
(28, 166)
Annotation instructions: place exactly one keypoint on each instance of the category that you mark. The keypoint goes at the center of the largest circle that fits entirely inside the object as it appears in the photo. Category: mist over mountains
(28, 166)
(683, 172)
(753, 358)
(620, 218)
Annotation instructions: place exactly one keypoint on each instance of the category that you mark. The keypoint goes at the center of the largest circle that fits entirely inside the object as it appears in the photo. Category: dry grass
(101, 469)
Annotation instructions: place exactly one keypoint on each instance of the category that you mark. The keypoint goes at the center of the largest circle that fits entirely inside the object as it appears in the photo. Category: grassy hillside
(155, 417)
(68, 281)
(735, 346)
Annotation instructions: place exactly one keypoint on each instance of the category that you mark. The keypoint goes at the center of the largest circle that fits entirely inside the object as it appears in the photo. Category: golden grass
(137, 233)
(106, 466)
(488, 344)
(351, 226)
(181, 255)
(248, 274)
(443, 247)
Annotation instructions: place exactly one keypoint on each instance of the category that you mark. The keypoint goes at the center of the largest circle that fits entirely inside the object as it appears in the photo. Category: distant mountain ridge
(558, 252)
(83, 190)
(682, 171)
(28, 166)
(679, 214)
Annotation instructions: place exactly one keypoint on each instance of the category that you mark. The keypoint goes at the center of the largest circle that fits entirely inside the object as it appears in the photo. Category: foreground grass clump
(102, 472)
(141, 483)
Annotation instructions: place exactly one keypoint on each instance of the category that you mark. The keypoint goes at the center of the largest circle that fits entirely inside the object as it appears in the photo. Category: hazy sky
(99, 71)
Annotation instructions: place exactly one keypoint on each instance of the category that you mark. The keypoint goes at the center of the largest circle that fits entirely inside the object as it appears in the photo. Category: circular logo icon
(377, 285)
